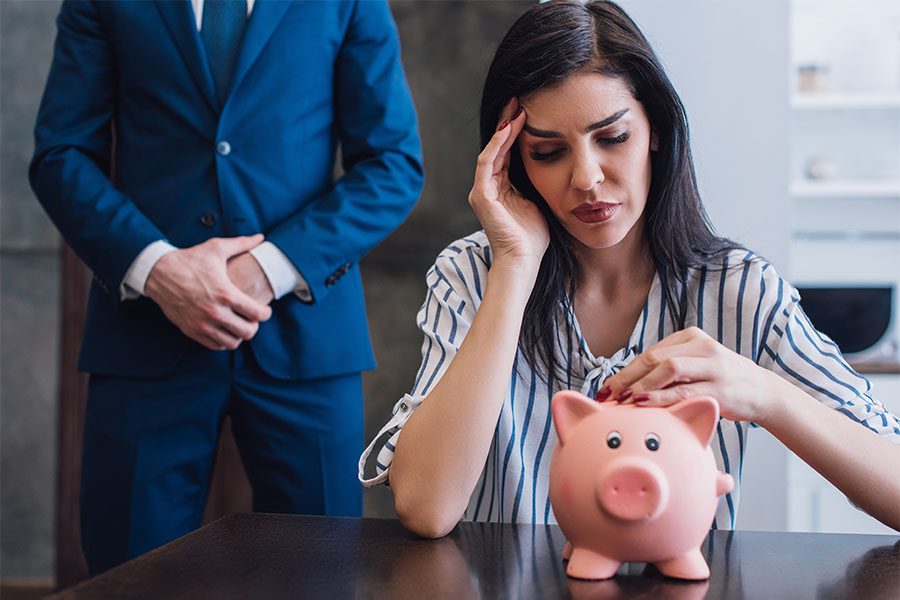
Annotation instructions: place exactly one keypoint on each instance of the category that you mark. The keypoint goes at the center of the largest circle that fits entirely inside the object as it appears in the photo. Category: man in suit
(185, 151)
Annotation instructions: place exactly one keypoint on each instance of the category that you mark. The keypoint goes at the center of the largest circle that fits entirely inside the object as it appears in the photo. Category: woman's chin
(596, 239)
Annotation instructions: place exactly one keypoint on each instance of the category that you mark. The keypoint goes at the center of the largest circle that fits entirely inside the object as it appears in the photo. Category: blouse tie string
(605, 368)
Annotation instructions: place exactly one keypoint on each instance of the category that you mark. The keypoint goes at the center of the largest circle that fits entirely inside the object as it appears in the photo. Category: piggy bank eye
(652, 442)
(614, 439)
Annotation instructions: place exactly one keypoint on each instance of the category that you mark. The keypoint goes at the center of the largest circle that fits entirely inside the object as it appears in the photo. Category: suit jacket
(130, 86)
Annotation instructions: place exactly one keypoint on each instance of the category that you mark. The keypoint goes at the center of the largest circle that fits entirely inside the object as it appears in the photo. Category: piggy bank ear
(701, 414)
(569, 408)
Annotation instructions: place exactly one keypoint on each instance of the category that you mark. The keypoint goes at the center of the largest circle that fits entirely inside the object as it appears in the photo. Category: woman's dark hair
(546, 45)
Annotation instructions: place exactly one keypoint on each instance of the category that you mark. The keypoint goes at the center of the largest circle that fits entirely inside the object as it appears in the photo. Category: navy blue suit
(129, 150)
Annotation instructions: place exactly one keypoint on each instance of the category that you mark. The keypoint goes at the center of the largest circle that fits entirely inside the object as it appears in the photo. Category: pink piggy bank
(635, 484)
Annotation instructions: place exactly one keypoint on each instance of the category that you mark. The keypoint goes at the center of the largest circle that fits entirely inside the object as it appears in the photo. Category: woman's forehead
(588, 97)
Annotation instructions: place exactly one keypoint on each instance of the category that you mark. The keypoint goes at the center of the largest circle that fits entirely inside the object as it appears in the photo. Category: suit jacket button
(223, 148)
(208, 219)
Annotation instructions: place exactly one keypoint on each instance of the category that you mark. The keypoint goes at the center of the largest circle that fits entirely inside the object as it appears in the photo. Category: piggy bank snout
(632, 489)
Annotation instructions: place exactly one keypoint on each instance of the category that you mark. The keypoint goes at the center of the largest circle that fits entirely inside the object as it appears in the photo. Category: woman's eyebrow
(598, 125)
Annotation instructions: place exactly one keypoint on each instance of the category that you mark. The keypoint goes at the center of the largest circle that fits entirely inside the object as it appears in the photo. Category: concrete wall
(29, 303)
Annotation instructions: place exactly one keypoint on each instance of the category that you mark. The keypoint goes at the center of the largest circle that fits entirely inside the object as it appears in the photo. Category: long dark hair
(546, 45)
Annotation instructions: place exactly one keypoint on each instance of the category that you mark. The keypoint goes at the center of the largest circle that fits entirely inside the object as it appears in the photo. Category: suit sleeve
(73, 145)
(382, 158)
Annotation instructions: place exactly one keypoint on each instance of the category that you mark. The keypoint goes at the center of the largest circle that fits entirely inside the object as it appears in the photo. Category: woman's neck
(618, 271)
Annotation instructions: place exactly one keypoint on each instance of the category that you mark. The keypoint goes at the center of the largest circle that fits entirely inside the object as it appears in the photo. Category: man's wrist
(134, 283)
(280, 273)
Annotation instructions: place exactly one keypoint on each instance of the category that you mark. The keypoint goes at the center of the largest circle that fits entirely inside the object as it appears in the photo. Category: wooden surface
(884, 367)
(282, 556)
(70, 565)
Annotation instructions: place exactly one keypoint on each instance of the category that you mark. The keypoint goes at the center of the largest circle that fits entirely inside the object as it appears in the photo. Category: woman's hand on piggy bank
(690, 363)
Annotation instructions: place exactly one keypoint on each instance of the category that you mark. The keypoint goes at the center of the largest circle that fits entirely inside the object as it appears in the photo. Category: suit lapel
(179, 18)
(263, 20)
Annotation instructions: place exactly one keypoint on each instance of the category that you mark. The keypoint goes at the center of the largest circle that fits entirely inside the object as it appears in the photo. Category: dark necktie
(221, 30)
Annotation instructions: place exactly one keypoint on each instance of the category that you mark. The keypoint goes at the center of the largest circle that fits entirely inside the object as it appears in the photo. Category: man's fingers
(225, 340)
(232, 246)
(226, 332)
(205, 340)
(247, 307)
(236, 326)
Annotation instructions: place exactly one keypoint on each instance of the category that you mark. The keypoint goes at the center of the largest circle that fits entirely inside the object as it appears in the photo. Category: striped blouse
(742, 303)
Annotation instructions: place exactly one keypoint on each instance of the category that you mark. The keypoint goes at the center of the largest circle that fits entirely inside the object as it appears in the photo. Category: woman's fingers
(621, 385)
(508, 111)
(484, 167)
(492, 157)
(516, 123)
(674, 394)
(678, 372)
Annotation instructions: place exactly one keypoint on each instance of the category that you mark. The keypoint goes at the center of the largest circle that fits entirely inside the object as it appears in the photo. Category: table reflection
(423, 569)
(868, 576)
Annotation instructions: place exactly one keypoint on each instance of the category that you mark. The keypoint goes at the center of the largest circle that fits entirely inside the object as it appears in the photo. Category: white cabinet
(845, 142)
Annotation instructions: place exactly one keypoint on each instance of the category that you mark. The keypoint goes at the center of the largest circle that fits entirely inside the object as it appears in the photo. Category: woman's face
(586, 148)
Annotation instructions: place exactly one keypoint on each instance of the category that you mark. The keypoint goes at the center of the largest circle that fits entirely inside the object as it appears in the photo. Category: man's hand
(245, 272)
(193, 288)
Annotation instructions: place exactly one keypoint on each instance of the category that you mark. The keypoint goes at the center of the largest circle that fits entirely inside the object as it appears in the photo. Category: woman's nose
(587, 173)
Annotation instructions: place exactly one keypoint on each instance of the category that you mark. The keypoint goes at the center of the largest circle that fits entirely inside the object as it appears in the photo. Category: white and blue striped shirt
(742, 303)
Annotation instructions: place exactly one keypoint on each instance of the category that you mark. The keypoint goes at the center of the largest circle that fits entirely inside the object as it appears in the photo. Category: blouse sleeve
(792, 347)
(455, 287)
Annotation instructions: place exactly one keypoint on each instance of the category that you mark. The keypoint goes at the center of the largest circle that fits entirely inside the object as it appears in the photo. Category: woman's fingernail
(641, 398)
(503, 125)
(623, 396)
(604, 393)
(516, 116)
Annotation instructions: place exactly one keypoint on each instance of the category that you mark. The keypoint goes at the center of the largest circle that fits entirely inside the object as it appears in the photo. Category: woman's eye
(614, 140)
(549, 156)
(541, 156)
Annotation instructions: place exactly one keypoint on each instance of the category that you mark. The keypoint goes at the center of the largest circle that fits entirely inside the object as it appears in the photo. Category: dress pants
(150, 443)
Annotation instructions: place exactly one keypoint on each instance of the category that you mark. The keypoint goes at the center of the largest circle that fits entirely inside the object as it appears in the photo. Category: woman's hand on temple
(514, 226)
(690, 363)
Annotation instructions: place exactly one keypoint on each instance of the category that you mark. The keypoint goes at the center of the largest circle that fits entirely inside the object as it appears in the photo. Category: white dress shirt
(279, 270)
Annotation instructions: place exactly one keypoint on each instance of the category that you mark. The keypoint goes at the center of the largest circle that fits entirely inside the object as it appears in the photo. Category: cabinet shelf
(845, 101)
(845, 188)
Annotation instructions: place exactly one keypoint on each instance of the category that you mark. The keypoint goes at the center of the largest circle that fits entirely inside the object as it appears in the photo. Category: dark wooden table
(281, 556)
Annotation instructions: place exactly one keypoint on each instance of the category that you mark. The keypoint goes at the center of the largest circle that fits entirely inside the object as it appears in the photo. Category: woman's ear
(654, 141)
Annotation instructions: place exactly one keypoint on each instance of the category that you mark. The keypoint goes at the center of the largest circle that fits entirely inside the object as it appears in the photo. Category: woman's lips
(595, 212)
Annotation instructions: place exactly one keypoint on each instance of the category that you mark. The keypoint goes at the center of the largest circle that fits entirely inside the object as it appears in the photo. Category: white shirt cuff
(283, 276)
(132, 285)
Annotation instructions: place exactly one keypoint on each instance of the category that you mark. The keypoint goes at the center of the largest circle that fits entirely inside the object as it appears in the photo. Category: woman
(597, 270)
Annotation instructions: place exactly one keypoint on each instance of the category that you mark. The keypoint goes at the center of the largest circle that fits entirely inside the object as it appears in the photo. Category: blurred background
(795, 113)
